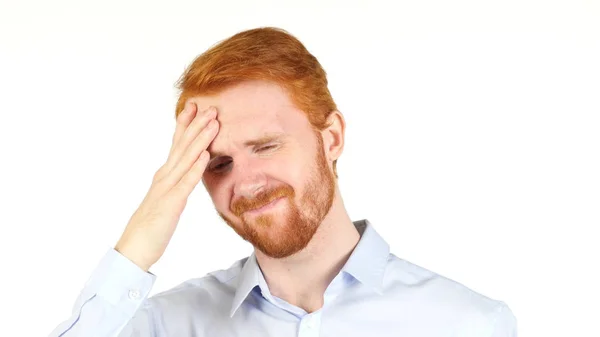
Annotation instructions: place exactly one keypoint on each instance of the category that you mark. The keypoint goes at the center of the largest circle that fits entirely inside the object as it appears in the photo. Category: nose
(251, 180)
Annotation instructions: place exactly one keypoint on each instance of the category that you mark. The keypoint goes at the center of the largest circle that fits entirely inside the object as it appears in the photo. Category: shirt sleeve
(112, 302)
(505, 323)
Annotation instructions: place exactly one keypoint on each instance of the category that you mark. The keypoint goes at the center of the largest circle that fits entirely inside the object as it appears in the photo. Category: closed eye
(220, 164)
(264, 148)
(224, 162)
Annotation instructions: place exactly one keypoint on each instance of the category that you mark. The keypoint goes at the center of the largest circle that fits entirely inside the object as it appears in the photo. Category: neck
(301, 279)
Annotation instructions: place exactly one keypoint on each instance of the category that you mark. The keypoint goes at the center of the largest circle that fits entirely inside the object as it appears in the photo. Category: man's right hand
(151, 227)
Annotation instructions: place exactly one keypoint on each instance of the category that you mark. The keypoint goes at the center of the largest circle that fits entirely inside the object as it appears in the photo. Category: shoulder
(430, 286)
(443, 297)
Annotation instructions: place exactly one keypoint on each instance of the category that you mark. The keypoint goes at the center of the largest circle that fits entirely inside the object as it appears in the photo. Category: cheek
(289, 168)
(300, 171)
(220, 201)
(215, 190)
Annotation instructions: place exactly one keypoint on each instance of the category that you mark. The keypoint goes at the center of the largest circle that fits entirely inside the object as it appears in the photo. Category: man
(257, 124)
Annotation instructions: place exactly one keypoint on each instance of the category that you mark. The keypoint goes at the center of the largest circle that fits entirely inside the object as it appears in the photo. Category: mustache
(244, 204)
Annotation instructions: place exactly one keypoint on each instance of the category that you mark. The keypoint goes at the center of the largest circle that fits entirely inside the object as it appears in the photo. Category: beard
(282, 233)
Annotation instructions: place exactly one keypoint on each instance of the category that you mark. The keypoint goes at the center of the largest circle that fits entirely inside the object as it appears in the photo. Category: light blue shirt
(375, 294)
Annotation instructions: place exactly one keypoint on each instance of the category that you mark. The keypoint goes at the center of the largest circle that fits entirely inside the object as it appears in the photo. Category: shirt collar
(369, 258)
(366, 264)
(247, 280)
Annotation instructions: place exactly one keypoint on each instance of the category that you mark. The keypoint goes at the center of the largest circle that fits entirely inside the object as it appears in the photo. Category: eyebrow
(266, 138)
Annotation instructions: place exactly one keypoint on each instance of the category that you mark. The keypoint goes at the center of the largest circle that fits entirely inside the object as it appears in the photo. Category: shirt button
(310, 323)
(134, 294)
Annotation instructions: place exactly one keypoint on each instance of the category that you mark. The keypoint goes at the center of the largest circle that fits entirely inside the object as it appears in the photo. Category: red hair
(269, 54)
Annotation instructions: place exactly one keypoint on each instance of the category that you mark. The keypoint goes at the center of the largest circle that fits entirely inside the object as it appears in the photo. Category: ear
(333, 136)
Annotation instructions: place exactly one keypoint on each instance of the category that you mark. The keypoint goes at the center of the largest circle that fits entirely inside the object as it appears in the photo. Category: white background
(472, 142)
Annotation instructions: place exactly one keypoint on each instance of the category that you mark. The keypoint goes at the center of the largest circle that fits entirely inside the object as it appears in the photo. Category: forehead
(251, 110)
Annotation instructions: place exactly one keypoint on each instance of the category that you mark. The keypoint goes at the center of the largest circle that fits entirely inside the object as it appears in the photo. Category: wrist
(133, 257)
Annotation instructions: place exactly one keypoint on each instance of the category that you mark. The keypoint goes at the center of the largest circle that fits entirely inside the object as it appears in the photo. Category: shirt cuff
(120, 282)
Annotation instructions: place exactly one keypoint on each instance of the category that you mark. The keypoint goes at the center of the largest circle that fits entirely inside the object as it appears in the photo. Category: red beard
(282, 232)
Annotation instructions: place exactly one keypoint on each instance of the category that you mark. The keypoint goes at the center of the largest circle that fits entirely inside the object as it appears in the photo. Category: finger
(190, 133)
(190, 180)
(183, 120)
(192, 153)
